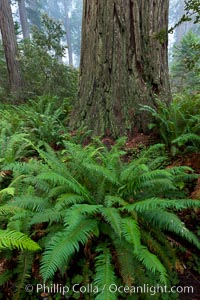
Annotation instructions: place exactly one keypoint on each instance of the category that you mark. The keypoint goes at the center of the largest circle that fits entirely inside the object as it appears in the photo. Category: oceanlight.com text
(112, 288)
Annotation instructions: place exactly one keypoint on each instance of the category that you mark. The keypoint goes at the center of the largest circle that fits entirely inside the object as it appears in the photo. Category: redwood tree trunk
(123, 64)
(10, 46)
(23, 19)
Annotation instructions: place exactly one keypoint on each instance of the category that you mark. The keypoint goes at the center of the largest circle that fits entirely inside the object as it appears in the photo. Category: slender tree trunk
(184, 27)
(23, 19)
(10, 46)
(54, 12)
(68, 33)
(123, 64)
(33, 11)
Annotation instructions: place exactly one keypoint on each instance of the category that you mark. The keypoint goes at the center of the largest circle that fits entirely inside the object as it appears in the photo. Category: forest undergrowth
(98, 212)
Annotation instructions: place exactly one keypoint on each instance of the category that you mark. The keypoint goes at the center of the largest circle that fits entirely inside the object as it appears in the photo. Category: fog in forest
(69, 14)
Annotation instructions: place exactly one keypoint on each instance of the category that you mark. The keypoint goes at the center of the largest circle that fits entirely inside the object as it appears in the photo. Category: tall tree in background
(10, 46)
(23, 19)
(177, 10)
(34, 11)
(60, 11)
(75, 29)
(66, 22)
(123, 64)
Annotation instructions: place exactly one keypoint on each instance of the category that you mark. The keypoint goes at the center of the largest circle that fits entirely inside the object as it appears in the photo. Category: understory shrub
(97, 219)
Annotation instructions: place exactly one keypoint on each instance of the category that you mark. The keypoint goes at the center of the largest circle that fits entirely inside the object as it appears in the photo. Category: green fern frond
(168, 221)
(128, 265)
(155, 174)
(155, 203)
(67, 199)
(39, 185)
(16, 225)
(9, 209)
(57, 191)
(114, 200)
(17, 240)
(22, 215)
(75, 212)
(7, 191)
(165, 254)
(187, 138)
(131, 232)
(134, 169)
(102, 171)
(105, 275)
(23, 268)
(152, 263)
(158, 185)
(57, 179)
(49, 215)
(51, 159)
(64, 244)
(30, 202)
(5, 276)
(112, 216)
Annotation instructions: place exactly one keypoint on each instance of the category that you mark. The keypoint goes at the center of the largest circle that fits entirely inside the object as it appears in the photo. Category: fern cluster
(116, 220)
(43, 119)
(178, 124)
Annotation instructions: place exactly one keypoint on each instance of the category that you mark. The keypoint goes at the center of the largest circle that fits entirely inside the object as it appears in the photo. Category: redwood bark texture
(10, 46)
(123, 64)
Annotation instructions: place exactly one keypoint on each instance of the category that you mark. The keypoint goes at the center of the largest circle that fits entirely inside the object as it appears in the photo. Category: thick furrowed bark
(123, 64)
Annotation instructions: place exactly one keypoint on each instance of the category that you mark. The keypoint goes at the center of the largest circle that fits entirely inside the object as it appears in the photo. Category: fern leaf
(126, 260)
(165, 254)
(152, 263)
(112, 216)
(131, 232)
(170, 222)
(69, 198)
(104, 276)
(56, 178)
(73, 214)
(102, 171)
(24, 269)
(49, 215)
(9, 209)
(155, 203)
(113, 200)
(185, 138)
(17, 240)
(64, 244)
(8, 191)
(32, 203)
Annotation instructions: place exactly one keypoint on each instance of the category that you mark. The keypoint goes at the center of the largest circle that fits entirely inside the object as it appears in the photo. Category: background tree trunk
(124, 64)
(23, 19)
(184, 27)
(68, 33)
(10, 46)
